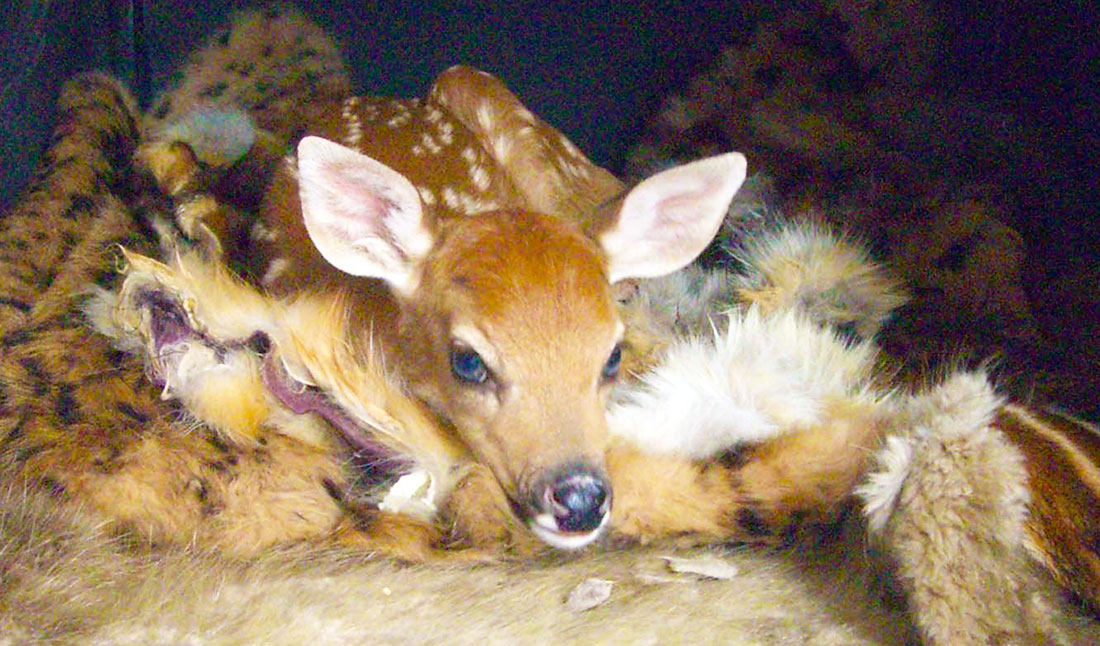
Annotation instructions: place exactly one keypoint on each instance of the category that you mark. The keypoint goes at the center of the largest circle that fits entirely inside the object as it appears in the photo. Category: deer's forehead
(523, 269)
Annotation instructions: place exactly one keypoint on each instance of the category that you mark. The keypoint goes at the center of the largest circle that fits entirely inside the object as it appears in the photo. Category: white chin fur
(546, 528)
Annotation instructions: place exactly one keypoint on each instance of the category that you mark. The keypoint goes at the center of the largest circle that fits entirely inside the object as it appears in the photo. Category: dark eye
(611, 368)
(468, 366)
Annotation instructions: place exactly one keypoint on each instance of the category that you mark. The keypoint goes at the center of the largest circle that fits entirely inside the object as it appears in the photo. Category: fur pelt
(67, 581)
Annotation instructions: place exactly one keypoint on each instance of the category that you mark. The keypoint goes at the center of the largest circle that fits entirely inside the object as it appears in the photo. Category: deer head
(507, 327)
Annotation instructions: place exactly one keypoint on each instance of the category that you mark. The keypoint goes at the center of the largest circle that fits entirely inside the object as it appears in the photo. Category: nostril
(580, 502)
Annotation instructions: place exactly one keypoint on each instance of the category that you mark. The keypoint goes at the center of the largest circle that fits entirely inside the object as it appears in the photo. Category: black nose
(580, 500)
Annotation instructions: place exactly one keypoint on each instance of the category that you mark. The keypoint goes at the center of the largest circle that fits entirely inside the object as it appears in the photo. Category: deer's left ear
(668, 219)
(365, 218)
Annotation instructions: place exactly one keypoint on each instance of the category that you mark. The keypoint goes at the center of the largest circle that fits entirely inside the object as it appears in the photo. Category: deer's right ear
(664, 222)
(365, 218)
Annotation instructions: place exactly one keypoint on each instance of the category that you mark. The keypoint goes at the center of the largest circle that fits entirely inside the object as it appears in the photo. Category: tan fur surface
(959, 546)
(811, 268)
(65, 582)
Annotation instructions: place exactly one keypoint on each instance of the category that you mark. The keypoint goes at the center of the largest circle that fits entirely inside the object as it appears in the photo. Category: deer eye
(468, 366)
(611, 368)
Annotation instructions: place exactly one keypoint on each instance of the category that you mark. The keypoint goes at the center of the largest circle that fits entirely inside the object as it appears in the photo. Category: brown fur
(1061, 456)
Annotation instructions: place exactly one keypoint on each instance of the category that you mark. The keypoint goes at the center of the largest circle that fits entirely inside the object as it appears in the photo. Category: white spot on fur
(466, 204)
(277, 268)
(446, 132)
(426, 195)
(484, 117)
(290, 163)
(502, 147)
(430, 144)
(400, 119)
(450, 197)
(261, 233)
(480, 177)
(352, 124)
(526, 115)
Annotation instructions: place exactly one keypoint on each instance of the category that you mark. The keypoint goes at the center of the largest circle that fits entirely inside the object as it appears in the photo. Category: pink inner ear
(365, 218)
(349, 200)
(355, 192)
(678, 211)
(671, 217)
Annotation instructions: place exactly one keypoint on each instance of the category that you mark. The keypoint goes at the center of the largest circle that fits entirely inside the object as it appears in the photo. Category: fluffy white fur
(763, 375)
(882, 487)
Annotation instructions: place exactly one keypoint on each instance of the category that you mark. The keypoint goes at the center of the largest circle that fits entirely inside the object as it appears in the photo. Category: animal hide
(67, 581)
